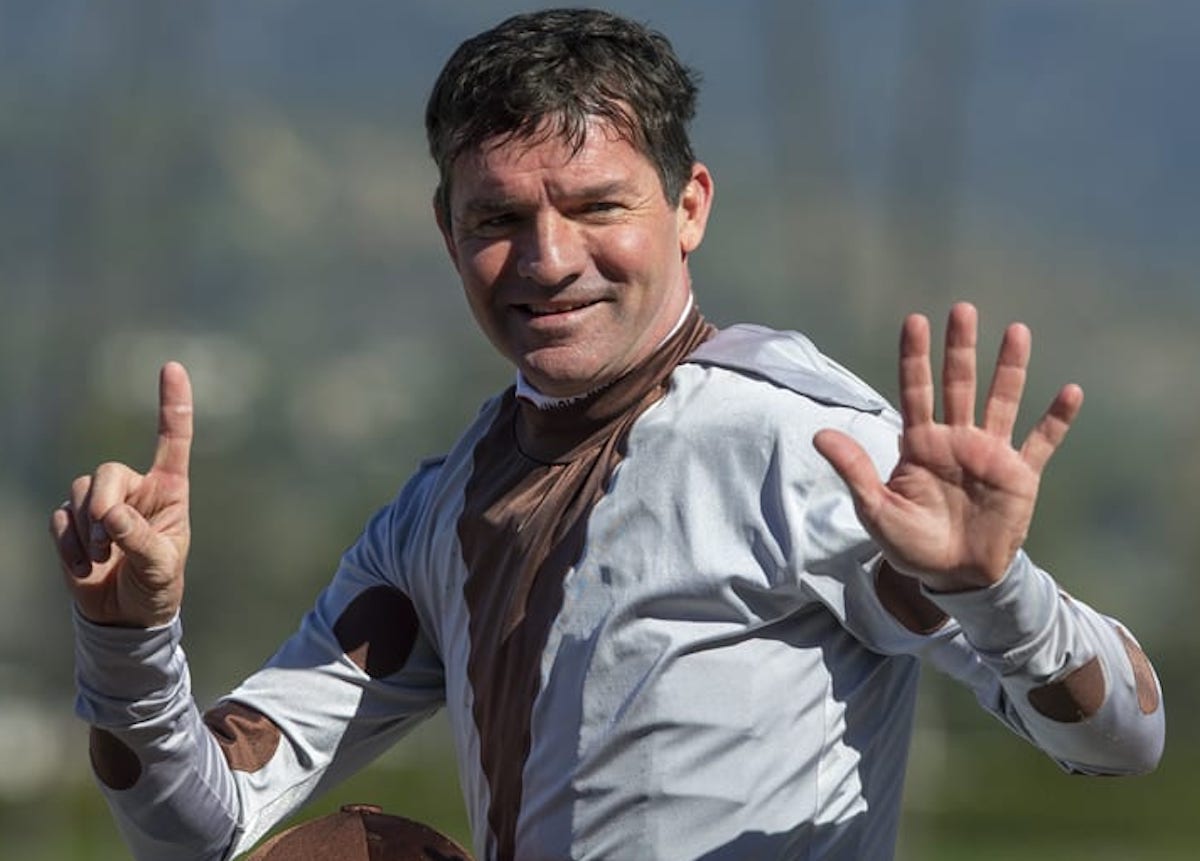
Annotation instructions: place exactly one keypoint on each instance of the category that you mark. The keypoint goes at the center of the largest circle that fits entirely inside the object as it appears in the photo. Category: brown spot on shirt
(1075, 697)
(901, 596)
(535, 478)
(1143, 674)
(377, 630)
(114, 762)
(247, 737)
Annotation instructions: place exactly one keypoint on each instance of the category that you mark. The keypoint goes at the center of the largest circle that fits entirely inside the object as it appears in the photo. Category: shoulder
(434, 483)
(752, 392)
(787, 360)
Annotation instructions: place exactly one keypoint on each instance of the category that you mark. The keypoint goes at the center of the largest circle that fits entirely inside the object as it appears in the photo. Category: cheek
(634, 255)
(481, 267)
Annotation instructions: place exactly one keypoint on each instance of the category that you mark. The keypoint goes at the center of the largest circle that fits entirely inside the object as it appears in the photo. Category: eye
(600, 208)
(498, 223)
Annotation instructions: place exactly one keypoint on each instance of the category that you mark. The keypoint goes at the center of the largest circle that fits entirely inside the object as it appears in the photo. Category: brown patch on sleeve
(247, 737)
(1143, 674)
(1075, 697)
(377, 630)
(114, 762)
(901, 596)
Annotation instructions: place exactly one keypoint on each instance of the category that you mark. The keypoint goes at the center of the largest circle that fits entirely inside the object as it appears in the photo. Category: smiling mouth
(546, 310)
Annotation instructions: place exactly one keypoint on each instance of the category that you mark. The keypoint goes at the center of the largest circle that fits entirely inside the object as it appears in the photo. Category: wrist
(964, 581)
(1007, 615)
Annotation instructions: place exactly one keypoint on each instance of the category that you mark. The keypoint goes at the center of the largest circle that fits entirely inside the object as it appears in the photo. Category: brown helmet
(360, 832)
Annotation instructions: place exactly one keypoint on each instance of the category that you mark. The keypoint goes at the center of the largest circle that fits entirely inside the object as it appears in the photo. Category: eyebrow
(602, 189)
(490, 205)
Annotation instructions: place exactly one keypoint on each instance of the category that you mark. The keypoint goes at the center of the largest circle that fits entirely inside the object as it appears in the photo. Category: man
(659, 585)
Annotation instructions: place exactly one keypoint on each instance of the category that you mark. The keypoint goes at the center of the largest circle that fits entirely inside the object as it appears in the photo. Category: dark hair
(546, 73)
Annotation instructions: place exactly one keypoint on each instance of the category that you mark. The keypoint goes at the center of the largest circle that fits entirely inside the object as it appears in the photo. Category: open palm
(959, 502)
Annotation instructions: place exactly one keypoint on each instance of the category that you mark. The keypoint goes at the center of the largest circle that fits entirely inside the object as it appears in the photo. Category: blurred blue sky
(1070, 115)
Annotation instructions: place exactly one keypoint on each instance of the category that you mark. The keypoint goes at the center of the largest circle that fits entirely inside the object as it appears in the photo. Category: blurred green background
(244, 187)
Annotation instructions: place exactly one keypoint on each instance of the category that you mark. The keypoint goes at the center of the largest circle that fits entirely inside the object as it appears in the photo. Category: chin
(563, 388)
(561, 379)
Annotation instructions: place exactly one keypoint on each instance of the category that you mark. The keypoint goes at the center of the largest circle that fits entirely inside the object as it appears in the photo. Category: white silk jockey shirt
(657, 628)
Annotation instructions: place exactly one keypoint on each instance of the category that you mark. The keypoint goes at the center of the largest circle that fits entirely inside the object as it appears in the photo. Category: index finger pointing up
(174, 420)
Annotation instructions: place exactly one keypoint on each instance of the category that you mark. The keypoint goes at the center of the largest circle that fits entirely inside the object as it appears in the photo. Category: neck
(558, 434)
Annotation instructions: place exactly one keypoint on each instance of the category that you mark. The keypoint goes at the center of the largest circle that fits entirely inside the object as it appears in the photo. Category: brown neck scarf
(537, 473)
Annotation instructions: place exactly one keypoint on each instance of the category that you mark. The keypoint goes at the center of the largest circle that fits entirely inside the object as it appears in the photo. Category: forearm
(1073, 680)
(165, 778)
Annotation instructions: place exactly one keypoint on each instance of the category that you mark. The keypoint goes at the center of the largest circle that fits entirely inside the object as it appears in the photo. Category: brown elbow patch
(377, 630)
(1075, 697)
(114, 762)
(1143, 674)
(247, 737)
(901, 596)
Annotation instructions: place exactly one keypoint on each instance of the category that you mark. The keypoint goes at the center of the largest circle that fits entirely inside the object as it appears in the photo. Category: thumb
(134, 535)
(850, 461)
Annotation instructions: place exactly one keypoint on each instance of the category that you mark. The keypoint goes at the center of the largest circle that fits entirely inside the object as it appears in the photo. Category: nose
(551, 252)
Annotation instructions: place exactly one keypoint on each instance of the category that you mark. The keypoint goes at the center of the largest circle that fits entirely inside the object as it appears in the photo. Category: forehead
(503, 165)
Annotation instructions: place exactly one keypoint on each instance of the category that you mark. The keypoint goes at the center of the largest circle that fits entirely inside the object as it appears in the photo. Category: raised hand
(122, 537)
(959, 502)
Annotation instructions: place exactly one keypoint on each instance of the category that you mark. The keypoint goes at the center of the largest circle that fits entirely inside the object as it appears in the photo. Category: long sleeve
(360, 672)
(1067, 678)
(169, 787)
(1073, 681)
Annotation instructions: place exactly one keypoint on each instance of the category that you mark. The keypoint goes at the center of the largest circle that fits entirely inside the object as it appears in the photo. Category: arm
(358, 674)
(122, 539)
(950, 521)
(170, 790)
(1068, 678)
(184, 785)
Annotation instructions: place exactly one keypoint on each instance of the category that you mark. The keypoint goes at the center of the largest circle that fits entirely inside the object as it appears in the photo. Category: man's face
(574, 264)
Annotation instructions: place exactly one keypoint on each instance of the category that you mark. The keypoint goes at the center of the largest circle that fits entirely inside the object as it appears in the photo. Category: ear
(443, 222)
(695, 202)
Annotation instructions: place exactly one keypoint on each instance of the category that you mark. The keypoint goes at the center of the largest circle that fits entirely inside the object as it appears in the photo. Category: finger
(111, 485)
(137, 539)
(66, 542)
(916, 378)
(854, 465)
(175, 410)
(1053, 426)
(1008, 382)
(958, 365)
(76, 507)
